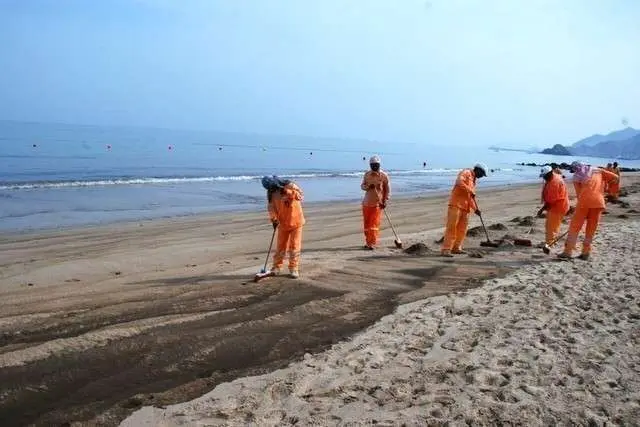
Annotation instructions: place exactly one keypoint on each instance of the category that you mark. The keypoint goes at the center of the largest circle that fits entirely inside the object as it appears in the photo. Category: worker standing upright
(375, 184)
(614, 187)
(461, 202)
(556, 202)
(590, 184)
(607, 190)
(285, 211)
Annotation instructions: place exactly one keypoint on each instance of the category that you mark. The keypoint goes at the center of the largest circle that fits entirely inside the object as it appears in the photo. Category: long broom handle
(482, 222)
(269, 251)
(557, 239)
(390, 223)
(485, 229)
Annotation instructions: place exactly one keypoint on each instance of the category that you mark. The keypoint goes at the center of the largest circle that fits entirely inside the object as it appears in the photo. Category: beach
(100, 322)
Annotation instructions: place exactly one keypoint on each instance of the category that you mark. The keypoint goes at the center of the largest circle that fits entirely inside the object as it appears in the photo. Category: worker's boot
(446, 254)
(458, 251)
(584, 257)
(275, 271)
(294, 273)
(564, 255)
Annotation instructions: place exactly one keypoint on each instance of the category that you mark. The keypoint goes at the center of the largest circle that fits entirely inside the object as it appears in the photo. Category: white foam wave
(183, 180)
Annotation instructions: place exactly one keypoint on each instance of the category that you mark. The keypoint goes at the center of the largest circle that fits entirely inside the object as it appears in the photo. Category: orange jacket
(464, 190)
(614, 187)
(577, 186)
(591, 194)
(286, 207)
(379, 193)
(555, 195)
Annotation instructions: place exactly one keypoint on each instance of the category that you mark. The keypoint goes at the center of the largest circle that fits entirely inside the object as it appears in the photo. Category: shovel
(397, 242)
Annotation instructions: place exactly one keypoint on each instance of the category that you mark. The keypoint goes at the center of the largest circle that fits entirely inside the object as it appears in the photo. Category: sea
(56, 176)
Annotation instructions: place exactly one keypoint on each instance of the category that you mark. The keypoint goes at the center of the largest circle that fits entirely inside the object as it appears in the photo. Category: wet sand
(97, 322)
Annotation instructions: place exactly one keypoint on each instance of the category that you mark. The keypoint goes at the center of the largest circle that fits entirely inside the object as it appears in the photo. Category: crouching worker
(461, 203)
(590, 184)
(556, 202)
(285, 211)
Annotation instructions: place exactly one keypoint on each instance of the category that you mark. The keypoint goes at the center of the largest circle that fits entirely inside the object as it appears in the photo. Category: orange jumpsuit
(607, 189)
(589, 208)
(372, 202)
(556, 199)
(286, 208)
(614, 187)
(461, 203)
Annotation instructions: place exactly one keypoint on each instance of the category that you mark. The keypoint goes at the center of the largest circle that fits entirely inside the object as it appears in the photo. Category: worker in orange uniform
(590, 185)
(607, 190)
(285, 211)
(461, 202)
(375, 184)
(614, 188)
(556, 202)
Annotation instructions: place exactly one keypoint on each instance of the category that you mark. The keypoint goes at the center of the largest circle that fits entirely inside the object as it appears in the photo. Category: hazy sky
(510, 72)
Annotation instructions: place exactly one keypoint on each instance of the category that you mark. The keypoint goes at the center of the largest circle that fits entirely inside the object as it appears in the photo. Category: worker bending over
(556, 202)
(461, 202)
(375, 184)
(285, 211)
(589, 184)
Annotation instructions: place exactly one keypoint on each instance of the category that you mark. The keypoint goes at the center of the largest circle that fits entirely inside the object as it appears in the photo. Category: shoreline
(230, 214)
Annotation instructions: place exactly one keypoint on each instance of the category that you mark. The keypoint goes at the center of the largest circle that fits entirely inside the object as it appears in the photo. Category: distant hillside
(619, 135)
(622, 144)
(627, 149)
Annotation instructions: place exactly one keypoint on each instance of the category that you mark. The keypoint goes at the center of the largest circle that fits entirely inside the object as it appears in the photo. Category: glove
(275, 224)
(478, 212)
(540, 212)
(383, 205)
(473, 196)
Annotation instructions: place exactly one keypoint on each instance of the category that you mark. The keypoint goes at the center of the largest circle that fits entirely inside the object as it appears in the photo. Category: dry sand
(553, 343)
(97, 322)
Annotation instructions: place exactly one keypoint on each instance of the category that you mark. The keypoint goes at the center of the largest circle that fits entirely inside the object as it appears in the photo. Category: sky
(459, 72)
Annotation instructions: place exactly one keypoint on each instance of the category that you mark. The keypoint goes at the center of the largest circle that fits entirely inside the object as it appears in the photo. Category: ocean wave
(150, 181)
(125, 181)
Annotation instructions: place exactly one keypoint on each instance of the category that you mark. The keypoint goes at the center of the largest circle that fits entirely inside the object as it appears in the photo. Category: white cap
(374, 159)
(483, 167)
(545, 170)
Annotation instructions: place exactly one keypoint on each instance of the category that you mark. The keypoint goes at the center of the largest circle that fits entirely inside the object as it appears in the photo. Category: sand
(552, 343)
(98, 322)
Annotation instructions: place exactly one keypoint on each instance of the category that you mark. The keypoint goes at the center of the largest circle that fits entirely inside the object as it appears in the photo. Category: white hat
(374, 159)
(483, 167)
(545, 170)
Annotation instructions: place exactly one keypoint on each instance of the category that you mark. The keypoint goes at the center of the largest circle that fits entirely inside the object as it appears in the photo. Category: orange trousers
(289, 243)
(372, 216)
(552, 225)
(456, 231)
(613, 190)
(592, 218)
